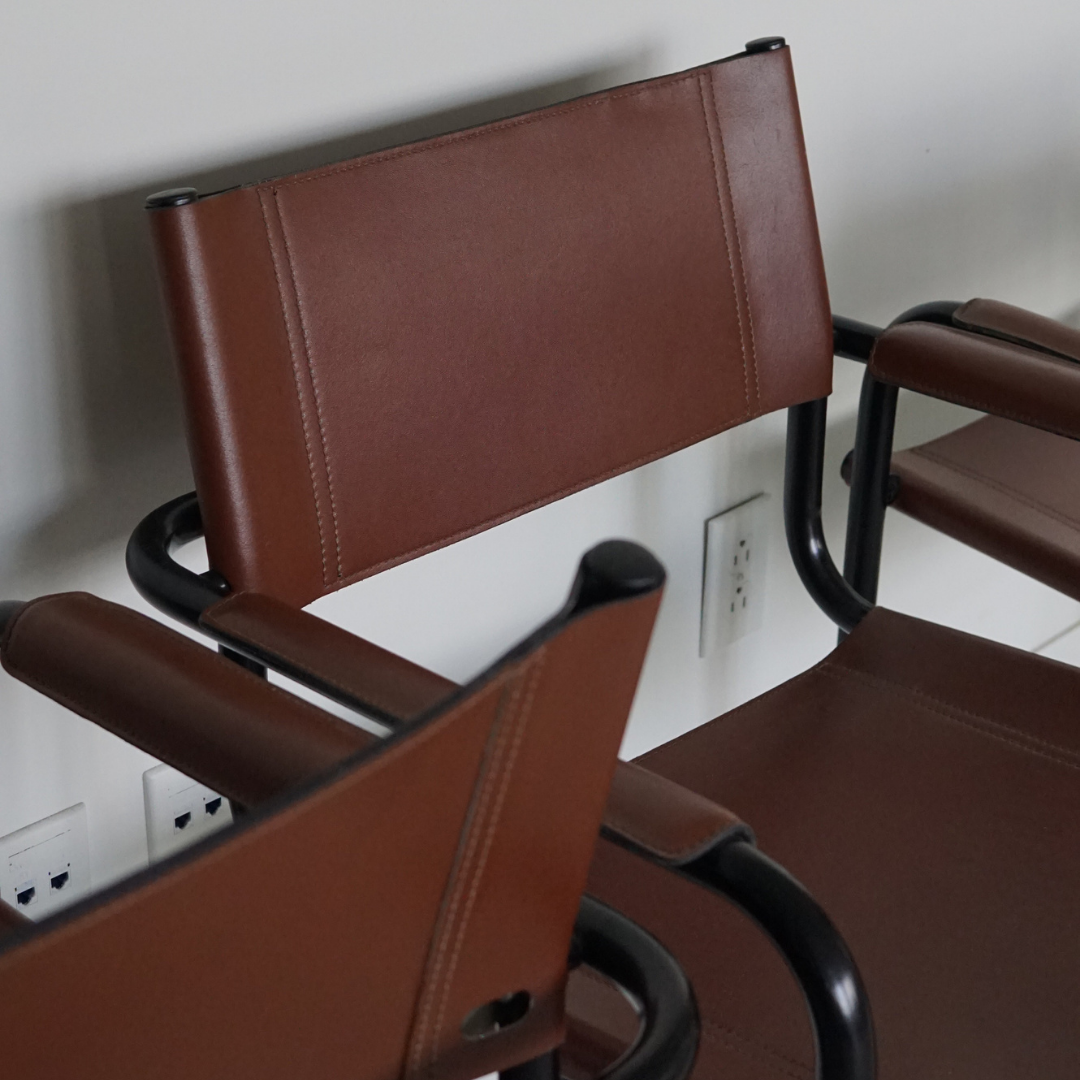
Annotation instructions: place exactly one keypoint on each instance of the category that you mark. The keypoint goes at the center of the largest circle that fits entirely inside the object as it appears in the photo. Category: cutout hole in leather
(497, 1015)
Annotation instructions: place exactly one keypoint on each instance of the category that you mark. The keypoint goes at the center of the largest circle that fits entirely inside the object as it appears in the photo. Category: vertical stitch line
(299, 390)
(472, 827)
(518, 722)
(738, 243)
(727, 242)
(314, 382)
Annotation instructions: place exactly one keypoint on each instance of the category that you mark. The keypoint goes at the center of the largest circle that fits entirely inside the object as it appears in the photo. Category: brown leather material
(981, 372)
(296, 642)
(11, 920)
(351, 931)
(1020, 326)
(1008, 490)
(925, 786)
(653, 814)
(388, 354)
(665, 820)
(173, 698)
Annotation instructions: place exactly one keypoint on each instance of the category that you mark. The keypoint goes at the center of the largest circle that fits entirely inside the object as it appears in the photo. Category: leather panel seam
(304, 422)
(996, 485)
(727, 239)
(1004, 733)
(314, 380)
(756, 1051)
(738, 249)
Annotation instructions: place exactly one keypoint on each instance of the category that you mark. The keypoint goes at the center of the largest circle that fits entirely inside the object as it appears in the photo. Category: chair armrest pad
(325, 657)
(982, 372)
(670, 824)
(173, 698)
(1020, 327)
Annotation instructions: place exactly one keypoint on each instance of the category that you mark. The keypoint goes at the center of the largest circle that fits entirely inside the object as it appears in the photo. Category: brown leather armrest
(987, 373)
(663, 820)
(175, 699)
(325, 657)
(1020, 327)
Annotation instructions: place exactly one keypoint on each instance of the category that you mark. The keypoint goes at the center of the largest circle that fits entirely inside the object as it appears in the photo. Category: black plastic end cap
(175, 196)
(765, 44)
(616, 570)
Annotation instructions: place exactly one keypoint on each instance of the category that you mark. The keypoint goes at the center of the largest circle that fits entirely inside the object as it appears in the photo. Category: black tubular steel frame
(873, 488)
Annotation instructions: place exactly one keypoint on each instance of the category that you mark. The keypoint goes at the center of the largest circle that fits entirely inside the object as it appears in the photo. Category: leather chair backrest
(349, 927)
(385, 355)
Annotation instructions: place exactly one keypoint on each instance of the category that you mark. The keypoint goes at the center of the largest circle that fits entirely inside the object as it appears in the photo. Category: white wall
(944, 142)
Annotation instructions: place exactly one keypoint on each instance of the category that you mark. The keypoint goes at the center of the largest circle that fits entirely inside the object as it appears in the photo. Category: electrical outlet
(179, 811)
(46, 866)
(733, 588)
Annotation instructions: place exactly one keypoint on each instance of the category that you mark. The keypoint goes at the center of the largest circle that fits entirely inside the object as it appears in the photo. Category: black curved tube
(852, 339)
(667, 1043)
(161, 580)
(802, 517)
(811, 945)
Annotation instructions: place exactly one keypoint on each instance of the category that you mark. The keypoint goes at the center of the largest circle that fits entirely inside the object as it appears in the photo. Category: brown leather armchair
(388, 354)
(1006, 484)
(384, 908)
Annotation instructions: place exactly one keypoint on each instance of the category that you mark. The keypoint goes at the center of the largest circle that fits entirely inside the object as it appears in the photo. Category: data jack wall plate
(179, 811)
(46, 866)
(733, 586)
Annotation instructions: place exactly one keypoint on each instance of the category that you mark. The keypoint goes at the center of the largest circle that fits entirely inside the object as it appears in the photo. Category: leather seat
(924, 785)
(1010, 490)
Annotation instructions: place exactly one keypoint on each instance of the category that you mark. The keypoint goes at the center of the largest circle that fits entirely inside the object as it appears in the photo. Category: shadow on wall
(1012, 236)
(123, 450)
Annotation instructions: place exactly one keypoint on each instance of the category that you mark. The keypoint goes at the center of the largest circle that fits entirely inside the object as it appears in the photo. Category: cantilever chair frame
(803, 934)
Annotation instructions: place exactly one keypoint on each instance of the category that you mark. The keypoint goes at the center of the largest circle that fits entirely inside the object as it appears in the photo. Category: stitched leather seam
(441, 142)
(738, 247)
(1004, 733)
(727, 238)
(963, 399)
(543, 500)
(755, 1050)
(519, 722)
(314, 382)
(299, 392)
(477, 816)
(997, 485)
(459, 874)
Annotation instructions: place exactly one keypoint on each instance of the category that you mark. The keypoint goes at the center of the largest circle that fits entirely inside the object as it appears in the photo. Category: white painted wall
(944, 143)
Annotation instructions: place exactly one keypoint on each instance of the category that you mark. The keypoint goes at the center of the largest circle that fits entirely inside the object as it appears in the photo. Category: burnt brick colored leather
(173, 698)
(387, 354)
(647, 811)
(395, 687)
(981, 372)
(665, 820)
(1019, 326)
(350, 931)
(925, 786)
(1009, 490)
(10, 919)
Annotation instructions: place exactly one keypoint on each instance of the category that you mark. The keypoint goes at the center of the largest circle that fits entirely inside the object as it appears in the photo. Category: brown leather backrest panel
(388, 354)
(351, 932)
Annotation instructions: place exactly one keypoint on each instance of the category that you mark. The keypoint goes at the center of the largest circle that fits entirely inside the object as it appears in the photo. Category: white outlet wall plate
(46, 866)
(733, 586)
(179, 811)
